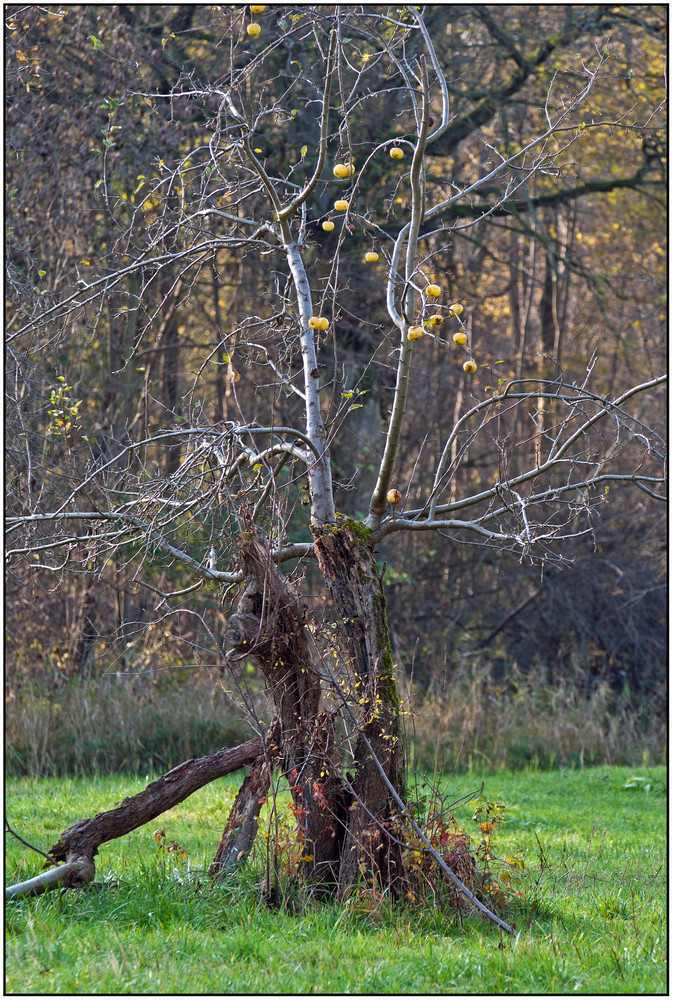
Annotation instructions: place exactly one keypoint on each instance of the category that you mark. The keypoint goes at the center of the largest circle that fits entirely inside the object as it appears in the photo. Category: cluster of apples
(342, 171)
(416, 332)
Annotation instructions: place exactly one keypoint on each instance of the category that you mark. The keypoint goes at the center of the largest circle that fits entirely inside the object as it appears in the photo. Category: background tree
(275, 287)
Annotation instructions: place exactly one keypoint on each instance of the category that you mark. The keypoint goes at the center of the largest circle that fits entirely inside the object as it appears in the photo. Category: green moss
(360, 531)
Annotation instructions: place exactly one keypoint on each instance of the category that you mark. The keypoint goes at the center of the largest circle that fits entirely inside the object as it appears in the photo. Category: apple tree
(309, 197)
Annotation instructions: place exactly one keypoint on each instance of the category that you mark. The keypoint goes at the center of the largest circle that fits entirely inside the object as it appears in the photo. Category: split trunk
(346, 818)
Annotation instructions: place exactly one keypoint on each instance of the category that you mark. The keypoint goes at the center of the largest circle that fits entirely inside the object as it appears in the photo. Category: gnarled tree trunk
(347, 562)
(270, 625)
(344, 822)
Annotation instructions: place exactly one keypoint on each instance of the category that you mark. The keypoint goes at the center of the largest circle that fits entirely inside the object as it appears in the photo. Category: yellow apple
(257, 8)
(433, 291)
(396, 153)
(435, 320)
(459, 338)
(456, 309)
(323, 323)
(341, 205)
(394, 496)
(470, 367)
(253, 29)
(341, 170)
(415, 333)
(371, 256)
(328, 226)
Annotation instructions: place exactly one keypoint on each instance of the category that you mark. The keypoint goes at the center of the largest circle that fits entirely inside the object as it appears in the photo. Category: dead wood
(78, 845)
(241, 829)
(74, 875)
(85, 837)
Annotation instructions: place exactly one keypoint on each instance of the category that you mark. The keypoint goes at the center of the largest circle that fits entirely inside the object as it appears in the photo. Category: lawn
(591, 909)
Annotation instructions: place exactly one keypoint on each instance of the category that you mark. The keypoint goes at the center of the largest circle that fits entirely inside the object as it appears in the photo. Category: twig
(26, 844)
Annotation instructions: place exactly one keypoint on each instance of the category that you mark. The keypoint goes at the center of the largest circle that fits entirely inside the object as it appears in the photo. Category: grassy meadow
(591, 904)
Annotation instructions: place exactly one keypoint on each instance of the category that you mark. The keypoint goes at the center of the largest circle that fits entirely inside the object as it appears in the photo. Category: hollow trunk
(342, 823)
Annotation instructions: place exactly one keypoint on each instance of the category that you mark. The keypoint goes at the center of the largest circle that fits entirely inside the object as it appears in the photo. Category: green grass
(592, 910)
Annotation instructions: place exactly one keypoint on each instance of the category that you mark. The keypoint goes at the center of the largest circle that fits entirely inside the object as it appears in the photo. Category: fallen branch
(78, 845)
(74, 875)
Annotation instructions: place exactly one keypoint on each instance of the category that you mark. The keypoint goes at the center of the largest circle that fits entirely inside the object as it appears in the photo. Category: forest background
(505, 662)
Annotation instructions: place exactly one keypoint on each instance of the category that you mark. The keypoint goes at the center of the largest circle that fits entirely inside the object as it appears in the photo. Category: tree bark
(78, 845)
(348, 564)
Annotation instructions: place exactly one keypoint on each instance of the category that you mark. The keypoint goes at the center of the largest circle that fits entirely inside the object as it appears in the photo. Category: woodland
(336, 400)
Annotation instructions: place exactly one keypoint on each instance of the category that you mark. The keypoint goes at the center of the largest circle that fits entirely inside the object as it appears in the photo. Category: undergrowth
(468, 722)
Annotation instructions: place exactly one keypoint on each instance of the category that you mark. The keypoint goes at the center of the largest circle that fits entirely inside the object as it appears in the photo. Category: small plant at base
(172, 847)
(489, 816)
